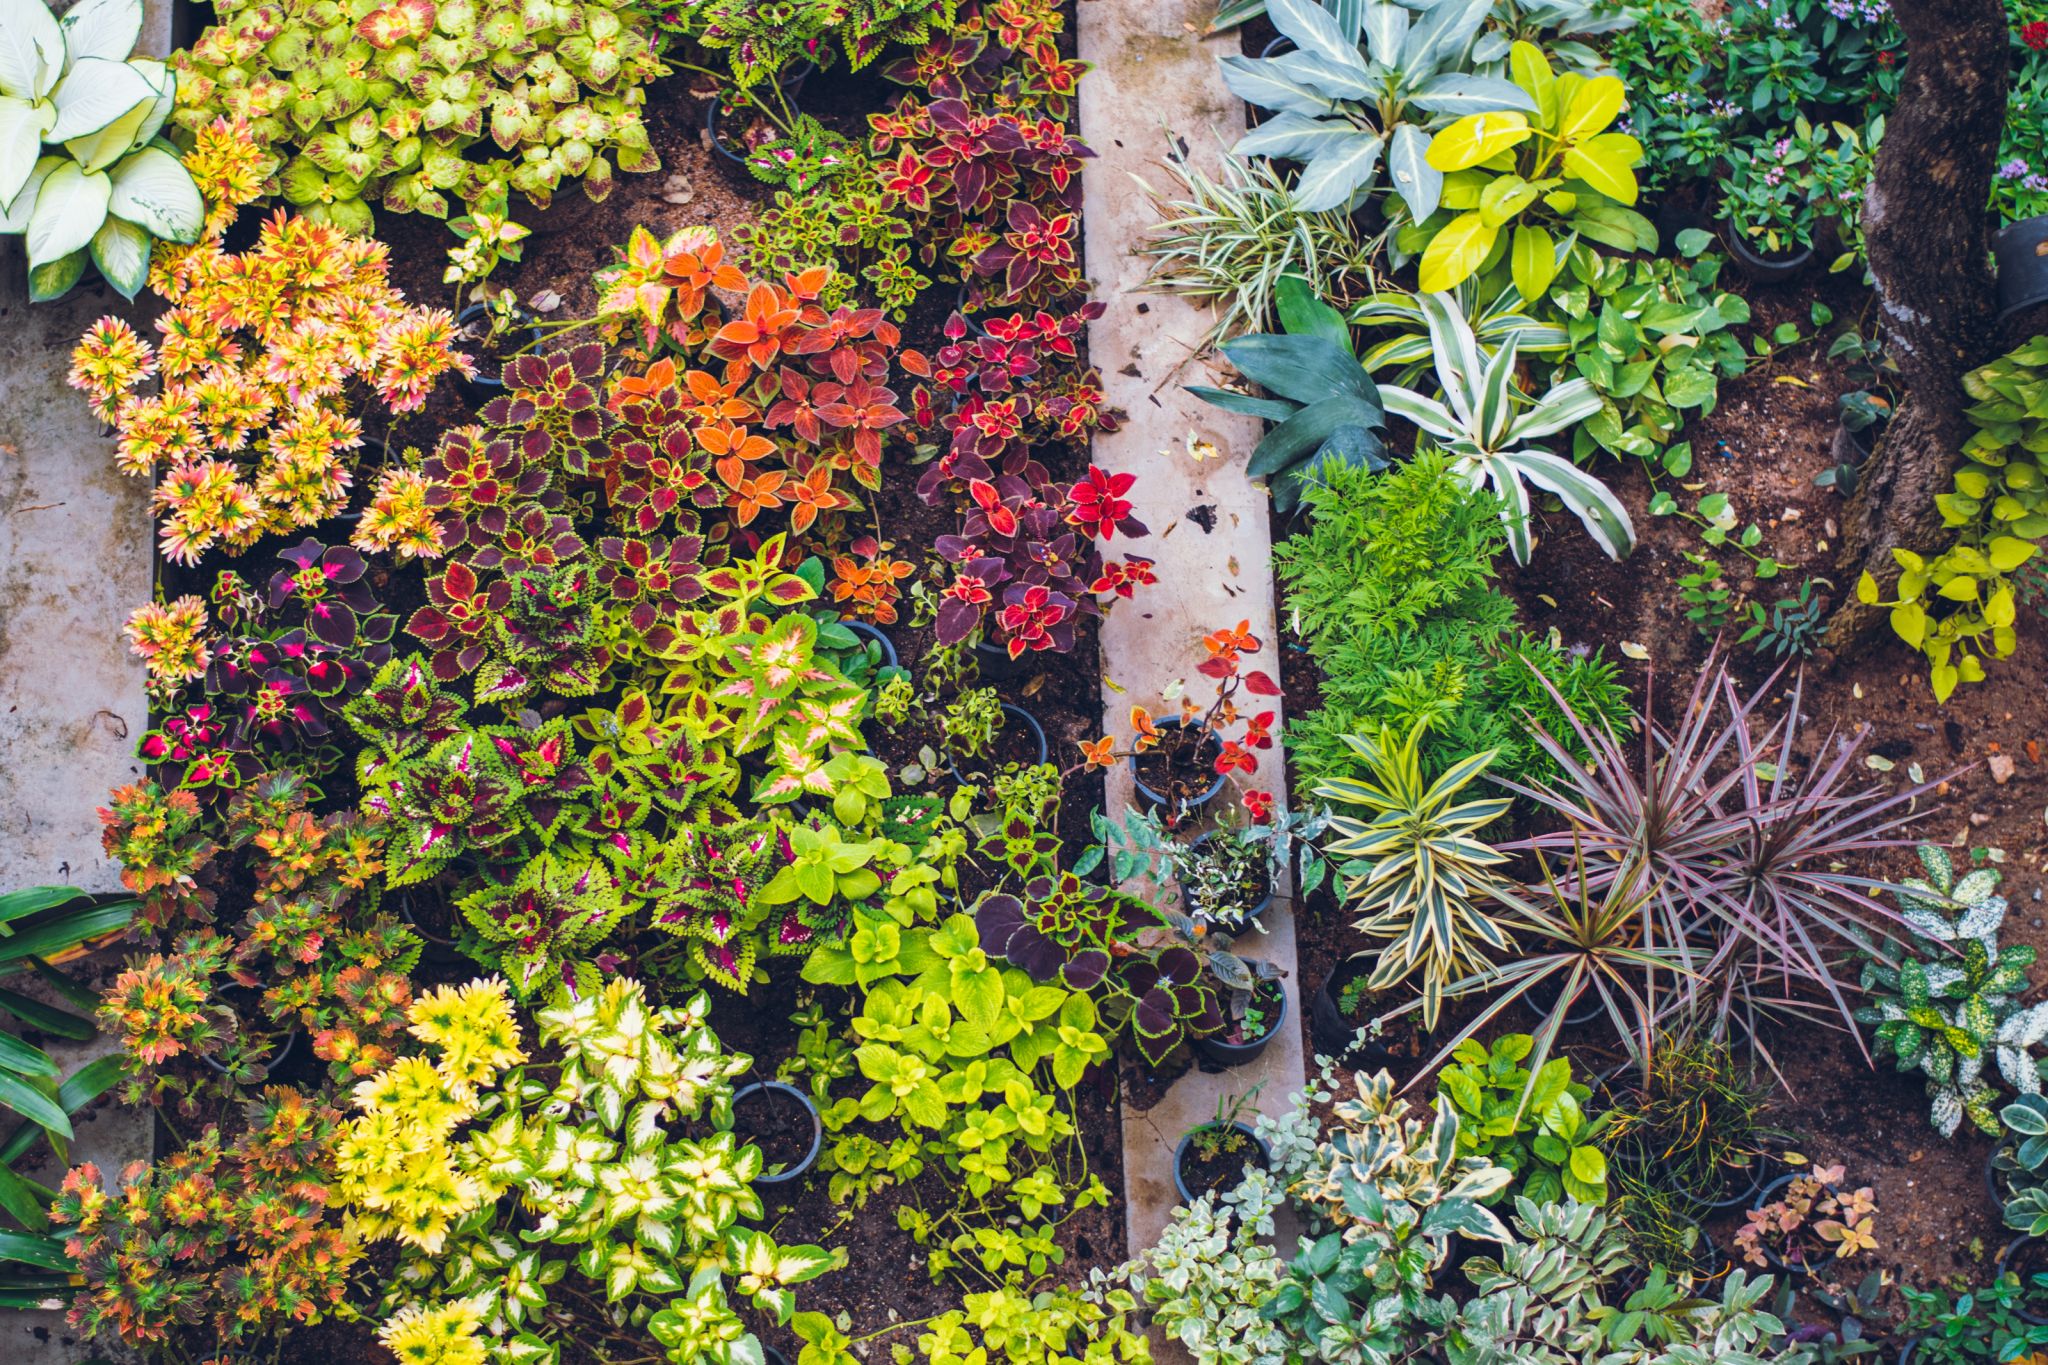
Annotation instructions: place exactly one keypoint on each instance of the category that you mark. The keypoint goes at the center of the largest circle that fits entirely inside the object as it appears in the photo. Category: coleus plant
(249, 423)
(626, 1170)
(1204, 731)
(423, 104)
(1002, 54)
(1028, 552)
(998, 194)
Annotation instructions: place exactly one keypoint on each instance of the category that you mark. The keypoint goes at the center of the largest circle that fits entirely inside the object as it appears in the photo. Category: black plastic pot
(994, 664)
(772, 1356)
(787, 1094)
(488, 383)
(1015, 713)
(1210, 747)
(1220, 1053)
(1761, 269)
(1187, 1146)
(1541, 998)
(791, 82)
(277, 1057)
(1332, 1031)
(1763, 1197)
(1993, 1184)
(2023, 1246)
(868, 632)
(2022, 253)
(1740, 1189)
(1237, 921)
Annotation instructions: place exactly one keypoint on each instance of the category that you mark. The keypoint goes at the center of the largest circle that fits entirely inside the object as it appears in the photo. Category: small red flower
(1099, 504)
(2034, 35)
(1259, 804)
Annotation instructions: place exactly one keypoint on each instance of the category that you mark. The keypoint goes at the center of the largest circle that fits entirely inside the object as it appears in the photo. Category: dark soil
(1179, 769)
(777, 1123)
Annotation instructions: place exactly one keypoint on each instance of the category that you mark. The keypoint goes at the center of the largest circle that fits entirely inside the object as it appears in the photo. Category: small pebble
(2001, 766)
(1979, 819)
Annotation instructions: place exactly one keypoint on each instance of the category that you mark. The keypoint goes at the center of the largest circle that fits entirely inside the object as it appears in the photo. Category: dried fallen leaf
(2033, 747)
(1634, 650)
(1547, 600)
(1200, 449)
(546, 301)
(1879, 763)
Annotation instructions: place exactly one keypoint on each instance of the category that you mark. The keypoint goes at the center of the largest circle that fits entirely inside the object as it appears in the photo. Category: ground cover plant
(626, 864)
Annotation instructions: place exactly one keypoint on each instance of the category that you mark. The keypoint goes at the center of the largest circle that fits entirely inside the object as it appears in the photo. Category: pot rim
(810, 1157)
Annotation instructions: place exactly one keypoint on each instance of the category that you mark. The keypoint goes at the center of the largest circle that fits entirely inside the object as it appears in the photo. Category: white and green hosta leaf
(121, 250)
(31, 49)
(106, 29)
(70, 206)
(95, 93)
(22, 125)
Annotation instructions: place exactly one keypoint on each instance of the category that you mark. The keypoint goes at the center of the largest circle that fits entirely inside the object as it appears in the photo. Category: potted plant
(989, 735)
(1226, 876)
(1689, 1130)
(781, 1120)
(1254, 1011)
(1802, 1221)
(498, 329)
(1987, 1324)
(1211, 1157)
(2024, 1260)
(1767, 213)
(1180, 764)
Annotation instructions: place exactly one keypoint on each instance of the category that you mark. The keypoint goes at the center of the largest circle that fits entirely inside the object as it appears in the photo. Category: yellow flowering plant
(620, 1151)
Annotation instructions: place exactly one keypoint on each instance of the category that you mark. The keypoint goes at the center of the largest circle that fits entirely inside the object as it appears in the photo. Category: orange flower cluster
(1204, 727)
(249, 420)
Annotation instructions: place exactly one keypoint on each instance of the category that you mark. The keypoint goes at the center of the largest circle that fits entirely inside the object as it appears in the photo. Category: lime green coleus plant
(1527, 184)
(111, 190)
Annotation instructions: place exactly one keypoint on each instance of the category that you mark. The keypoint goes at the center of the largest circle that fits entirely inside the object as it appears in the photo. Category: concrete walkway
(1155, 77)
(76, 549)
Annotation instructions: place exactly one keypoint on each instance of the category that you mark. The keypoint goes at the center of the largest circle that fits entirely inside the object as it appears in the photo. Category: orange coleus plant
(757, 415)
(1206, 731)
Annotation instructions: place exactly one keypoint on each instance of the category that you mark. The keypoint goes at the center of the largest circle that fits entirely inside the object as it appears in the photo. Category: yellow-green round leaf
(1909, 623)
(1476, 138)
(1866, 589)
(1503, 198)
(1455, 252)
(2008, 553)
(1943, 677)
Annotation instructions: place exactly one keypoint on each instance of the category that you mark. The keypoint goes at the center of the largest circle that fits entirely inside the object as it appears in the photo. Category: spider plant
(1746, 848)
(1416, 867)
(1228, 239)
(1476, 421)
(1581, 940)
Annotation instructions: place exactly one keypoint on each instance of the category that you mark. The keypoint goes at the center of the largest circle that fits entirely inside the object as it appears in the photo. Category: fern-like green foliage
(1391, 587)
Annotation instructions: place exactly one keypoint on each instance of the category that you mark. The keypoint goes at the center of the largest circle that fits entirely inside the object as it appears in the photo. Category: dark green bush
(1391, 589)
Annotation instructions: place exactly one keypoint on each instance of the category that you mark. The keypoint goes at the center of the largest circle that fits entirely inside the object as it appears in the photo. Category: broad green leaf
(31, 49)
(121, 252)
(47, 1252)
(66, 931)
(1534, 260)
(95, 93)
(1337, 173)
(1304, 313)
(31, 900)
(48, 1018)
(1467, 95)
(25, 1099)
(1260, 82)
(102, 28)
(1306, 431)
(1593, 106)
(21, 139)
(1607, 163)
(1303, 368)
(53, 279)
(1419, 184)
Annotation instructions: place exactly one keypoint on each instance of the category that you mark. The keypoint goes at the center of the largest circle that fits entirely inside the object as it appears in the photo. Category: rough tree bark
(1925, 225)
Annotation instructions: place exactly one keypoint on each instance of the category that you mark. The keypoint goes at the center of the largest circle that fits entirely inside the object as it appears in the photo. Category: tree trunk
(1927, 230)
